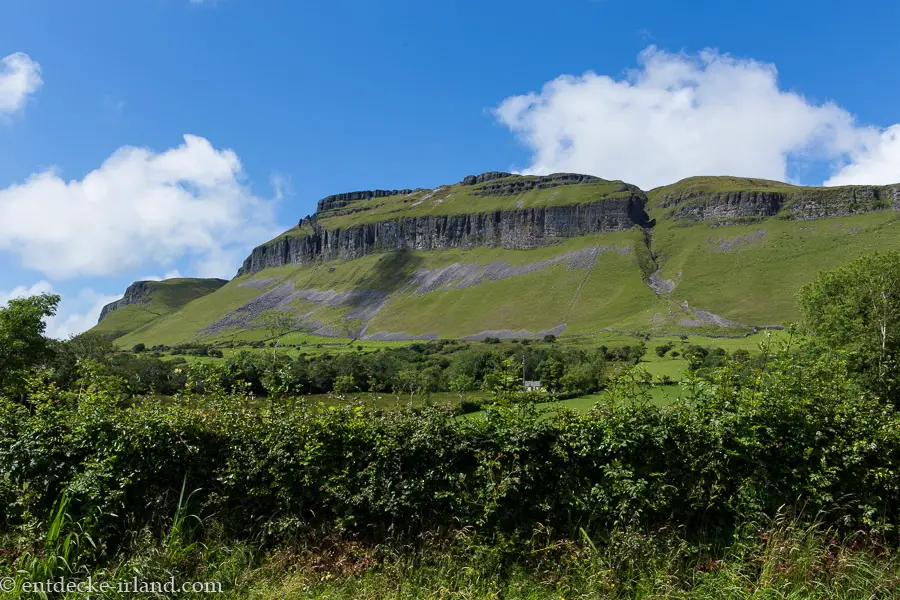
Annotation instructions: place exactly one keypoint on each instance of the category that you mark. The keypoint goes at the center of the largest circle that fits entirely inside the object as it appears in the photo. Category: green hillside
(726, 268)
(460, 199)
(159, 299)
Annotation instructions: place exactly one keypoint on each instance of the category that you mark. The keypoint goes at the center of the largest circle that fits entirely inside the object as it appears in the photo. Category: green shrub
(799, 433)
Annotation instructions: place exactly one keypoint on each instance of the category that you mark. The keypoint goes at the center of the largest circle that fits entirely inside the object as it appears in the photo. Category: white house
(533, 386)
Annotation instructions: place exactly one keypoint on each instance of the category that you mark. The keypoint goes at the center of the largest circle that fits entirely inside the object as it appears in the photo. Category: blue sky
(292, 100)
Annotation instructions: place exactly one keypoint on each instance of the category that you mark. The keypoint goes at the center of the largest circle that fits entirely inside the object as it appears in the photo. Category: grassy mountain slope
(684, 275)
(586, 283)
(162, 298)
(751, 273)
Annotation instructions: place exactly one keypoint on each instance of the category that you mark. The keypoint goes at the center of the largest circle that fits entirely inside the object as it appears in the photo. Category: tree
(855, 309)
(506, 377)
(462, 384)
(550, 338)
(552, 371)
(87, 346)
(22, 341)
(410, 380)
(344, 384)
(277, 323)
(579, 378)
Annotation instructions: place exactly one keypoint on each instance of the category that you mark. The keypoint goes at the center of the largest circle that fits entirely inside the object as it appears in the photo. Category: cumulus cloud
(23, 291)
(77, 313)
(878, 163)
(20, 77)
(679, 115)
(139, 207)
(173, 274)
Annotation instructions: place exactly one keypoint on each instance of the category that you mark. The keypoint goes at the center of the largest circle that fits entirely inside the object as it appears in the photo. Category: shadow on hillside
(391, 271)
(389, 274)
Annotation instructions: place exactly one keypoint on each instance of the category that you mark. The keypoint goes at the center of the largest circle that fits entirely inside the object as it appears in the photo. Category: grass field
(662, 395)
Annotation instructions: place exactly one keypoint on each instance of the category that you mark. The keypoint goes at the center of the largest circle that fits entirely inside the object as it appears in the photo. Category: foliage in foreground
(778, 558)
(796, 432)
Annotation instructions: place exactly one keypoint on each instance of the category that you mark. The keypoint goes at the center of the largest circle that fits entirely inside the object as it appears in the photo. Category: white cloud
(77, 313)
(878, 163)
(680, 115)
(173, 274)
(138, 208)
(41, 287)
(20, 77)
(281, 186)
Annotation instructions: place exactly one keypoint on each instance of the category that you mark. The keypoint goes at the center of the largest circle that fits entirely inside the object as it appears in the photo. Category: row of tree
(853, 310)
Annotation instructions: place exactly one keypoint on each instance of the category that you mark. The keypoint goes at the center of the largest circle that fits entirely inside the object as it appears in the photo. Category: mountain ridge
(513, 255)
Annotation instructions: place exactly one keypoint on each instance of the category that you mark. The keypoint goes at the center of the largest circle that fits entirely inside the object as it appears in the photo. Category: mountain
(508, 255)
(145, 301)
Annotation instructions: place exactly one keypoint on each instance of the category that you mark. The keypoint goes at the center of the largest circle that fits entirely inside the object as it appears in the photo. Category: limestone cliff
(701, 202)
(343, 227)
(136, 293)
(517, 212)
(518, 229)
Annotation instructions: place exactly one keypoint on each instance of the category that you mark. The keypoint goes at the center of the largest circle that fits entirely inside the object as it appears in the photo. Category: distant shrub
(469, 406)
(139, 347)
(550, 338)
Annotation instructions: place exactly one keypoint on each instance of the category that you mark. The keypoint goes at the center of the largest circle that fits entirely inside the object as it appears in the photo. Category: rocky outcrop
(816, 203)
(516, 229)
(136, 293)
(799, 203)
(341, 200)
(489, 176)
(501, 185)
(731, 205)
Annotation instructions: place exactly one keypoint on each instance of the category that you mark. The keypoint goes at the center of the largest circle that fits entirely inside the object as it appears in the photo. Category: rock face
(341, 200)
(502, 186)
(517, 229)
(489, 176)
(136, 293)
(727, 206)
(522, 228)
(801, 204)
(842, 201)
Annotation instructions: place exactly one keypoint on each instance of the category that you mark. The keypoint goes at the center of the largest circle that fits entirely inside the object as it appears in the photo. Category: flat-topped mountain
(491, 209)
(500, 254)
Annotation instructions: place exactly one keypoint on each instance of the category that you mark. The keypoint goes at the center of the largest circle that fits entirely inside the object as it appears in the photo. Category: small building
(533, 386)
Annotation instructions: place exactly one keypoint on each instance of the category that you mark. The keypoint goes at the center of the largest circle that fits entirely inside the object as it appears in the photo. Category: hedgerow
(794, 431)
